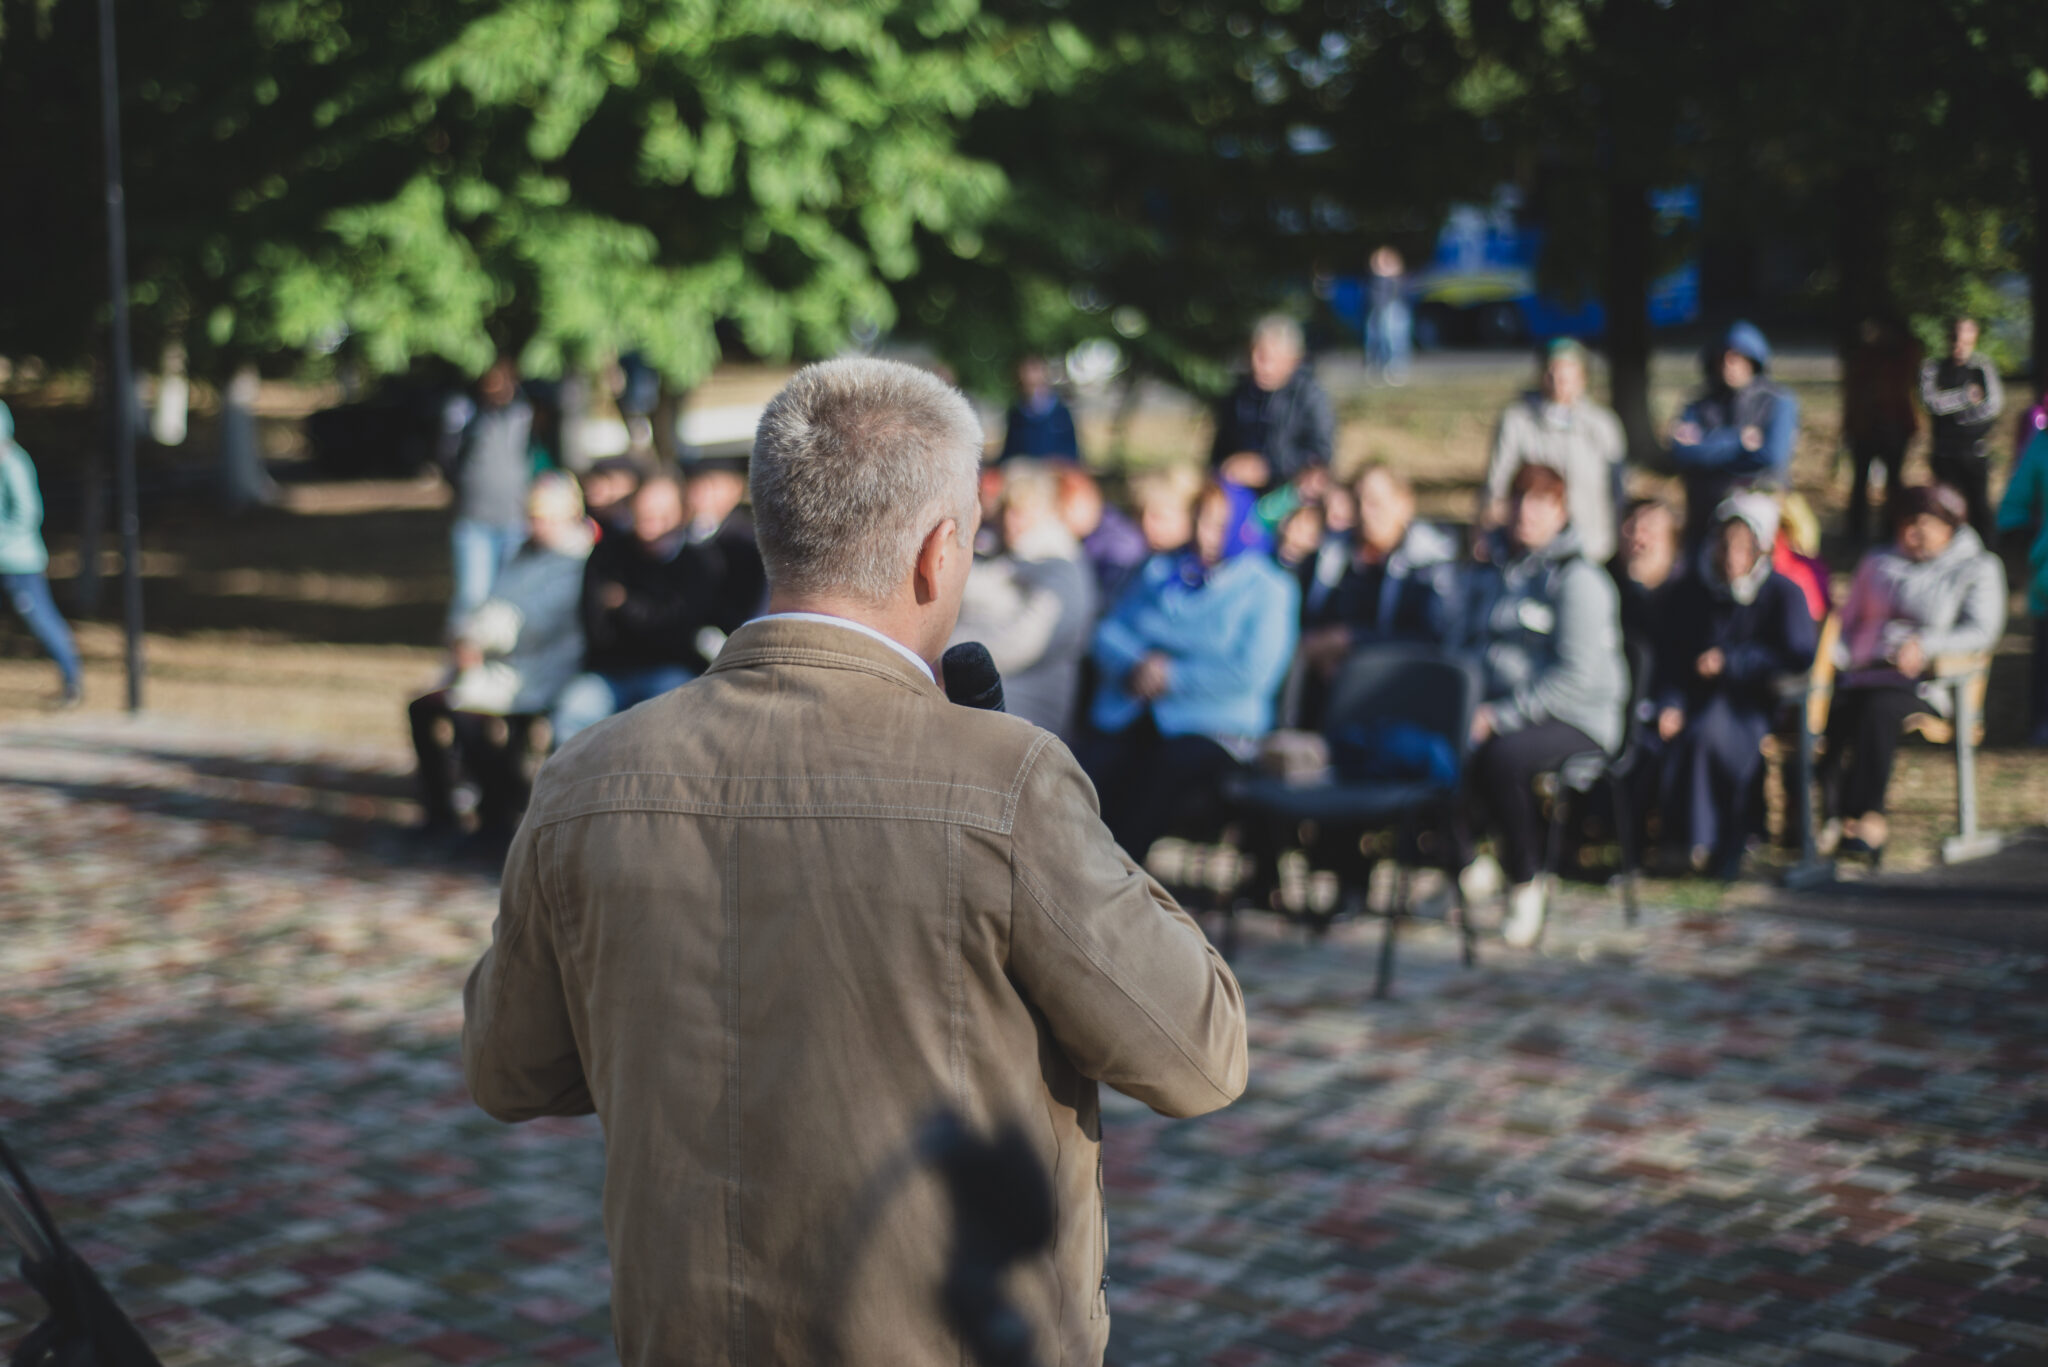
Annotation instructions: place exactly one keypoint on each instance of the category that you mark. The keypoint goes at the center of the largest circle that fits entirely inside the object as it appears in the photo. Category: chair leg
(1228, 948)
(1625, 837)
(1468, 937)
(1383, 982)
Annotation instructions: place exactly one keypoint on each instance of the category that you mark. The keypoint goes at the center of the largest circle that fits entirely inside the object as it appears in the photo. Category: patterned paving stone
(227, 1046)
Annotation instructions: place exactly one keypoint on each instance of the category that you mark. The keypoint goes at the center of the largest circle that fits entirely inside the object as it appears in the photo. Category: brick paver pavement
(230, 996)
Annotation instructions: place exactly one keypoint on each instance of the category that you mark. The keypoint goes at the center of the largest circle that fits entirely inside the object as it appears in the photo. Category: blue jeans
(30, 595)
(590, 698)
(481, 549)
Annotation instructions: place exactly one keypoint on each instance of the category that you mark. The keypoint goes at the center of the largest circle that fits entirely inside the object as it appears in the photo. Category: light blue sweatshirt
(1229, 640)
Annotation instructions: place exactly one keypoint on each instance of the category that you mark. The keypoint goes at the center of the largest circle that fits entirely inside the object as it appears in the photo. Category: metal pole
(123, 378)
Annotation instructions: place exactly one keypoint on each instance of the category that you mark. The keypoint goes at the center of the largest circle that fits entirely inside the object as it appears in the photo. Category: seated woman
(1189, 663)
(1935, 591)
(509, 664)
(1543, 621)
(1396, 581)
(1725, 635)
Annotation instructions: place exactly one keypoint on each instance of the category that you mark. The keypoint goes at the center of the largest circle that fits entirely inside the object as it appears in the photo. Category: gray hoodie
(1954, 604)
(1546, 627)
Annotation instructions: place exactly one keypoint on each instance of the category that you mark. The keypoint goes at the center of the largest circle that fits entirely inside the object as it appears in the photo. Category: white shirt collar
(863, 628)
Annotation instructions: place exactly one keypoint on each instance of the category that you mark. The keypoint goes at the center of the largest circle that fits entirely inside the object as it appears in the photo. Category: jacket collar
(821, 645)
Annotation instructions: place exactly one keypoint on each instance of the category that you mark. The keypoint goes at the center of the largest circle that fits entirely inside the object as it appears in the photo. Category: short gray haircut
(855, 462)
(1278, 327)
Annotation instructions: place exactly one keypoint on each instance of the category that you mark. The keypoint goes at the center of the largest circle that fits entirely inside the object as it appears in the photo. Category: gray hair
(855, 462)
(1278, 327)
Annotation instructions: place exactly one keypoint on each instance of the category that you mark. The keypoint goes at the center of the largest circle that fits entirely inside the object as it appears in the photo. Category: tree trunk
(1625, 298)
(2037, 176)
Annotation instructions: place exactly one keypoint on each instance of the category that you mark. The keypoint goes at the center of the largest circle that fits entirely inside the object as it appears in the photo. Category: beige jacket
(763, 926)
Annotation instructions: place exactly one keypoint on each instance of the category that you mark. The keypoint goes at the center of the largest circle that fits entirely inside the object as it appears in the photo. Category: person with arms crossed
(767, 924)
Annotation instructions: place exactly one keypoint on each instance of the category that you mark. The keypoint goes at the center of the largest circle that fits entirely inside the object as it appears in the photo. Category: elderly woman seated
(1726, 634)
(1543, 620)
(1189, 663)
(1935, 591)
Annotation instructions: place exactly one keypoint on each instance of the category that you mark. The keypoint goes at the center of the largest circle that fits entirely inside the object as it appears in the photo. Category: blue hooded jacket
(1723, 414)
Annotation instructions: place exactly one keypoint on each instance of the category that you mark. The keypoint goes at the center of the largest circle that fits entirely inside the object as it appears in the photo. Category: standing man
(1558, 426)
(720, 539)
(1963, 396)
(1738, 432)
(768, 924)
(489, 466)
(1277, 424)
(24, 562)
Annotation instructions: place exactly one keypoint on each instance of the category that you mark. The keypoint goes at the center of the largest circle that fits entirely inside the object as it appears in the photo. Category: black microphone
(971, 677)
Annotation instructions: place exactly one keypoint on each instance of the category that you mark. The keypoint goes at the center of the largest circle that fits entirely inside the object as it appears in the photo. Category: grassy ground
(320, 617)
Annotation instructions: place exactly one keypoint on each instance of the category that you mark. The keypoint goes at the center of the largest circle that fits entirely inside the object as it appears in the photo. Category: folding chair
(1420, 685)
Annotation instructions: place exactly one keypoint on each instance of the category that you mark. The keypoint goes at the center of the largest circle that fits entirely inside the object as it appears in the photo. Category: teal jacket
(21, 507)
(2025, 509)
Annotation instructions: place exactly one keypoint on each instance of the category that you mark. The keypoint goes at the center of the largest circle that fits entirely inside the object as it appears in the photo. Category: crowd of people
(1168, 640)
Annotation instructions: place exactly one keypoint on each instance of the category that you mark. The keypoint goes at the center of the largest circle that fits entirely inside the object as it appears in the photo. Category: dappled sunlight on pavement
(227, 1049)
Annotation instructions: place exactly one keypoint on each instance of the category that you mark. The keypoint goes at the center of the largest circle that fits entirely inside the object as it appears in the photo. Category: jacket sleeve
(1315, 430)
(2020, 509)
(1715, 448)
(1501, 463)
(1981, 620)
(1588, 645)
(519, 1054)
(1128, 984)
(1782, 436)
(1993, 402)
(1119, 645)
(21, 502)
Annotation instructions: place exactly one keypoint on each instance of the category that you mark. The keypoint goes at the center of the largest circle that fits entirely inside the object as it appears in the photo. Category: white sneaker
(1527, 906)
(1480, 880)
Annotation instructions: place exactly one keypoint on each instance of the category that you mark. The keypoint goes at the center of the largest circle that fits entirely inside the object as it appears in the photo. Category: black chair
(1421, 685)
(1582, 774)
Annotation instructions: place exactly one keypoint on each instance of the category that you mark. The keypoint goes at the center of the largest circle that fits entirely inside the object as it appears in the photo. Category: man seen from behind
(767, 924)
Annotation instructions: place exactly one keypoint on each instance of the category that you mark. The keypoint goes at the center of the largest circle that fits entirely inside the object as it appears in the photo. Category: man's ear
(940, 545)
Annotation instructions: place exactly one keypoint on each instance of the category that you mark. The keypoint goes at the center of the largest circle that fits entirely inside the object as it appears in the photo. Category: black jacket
(1772, 635)
(673, 592)
(1293, 426)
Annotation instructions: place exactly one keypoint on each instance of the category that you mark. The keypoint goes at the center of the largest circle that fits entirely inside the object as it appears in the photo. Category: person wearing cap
(1935, 591)
(1739, 431)
(1727, 633)
(1964, 398)
(1559, 426)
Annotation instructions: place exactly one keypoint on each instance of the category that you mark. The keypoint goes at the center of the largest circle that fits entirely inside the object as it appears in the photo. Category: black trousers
(1501, 793)
(492, 750)
(2040, 679)
(1970, 476)
(1863, 739)
(1152, 785)
(1889, 452)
